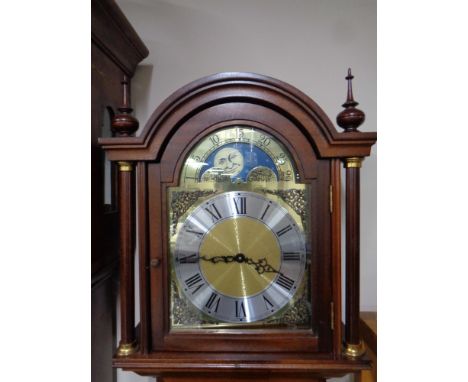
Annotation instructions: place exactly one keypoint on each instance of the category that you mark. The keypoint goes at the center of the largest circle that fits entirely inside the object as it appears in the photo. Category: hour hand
(218, 259)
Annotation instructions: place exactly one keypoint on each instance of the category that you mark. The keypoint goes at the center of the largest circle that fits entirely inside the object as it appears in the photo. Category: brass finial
(123, 123)
(350, 118)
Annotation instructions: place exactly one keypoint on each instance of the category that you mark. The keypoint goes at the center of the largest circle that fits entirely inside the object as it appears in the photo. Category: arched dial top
(239, 257)
(238, 154)
(237, 238)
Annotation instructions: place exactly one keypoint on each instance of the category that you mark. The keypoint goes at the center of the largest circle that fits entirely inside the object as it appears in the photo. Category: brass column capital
(353, 162)
(125, 166)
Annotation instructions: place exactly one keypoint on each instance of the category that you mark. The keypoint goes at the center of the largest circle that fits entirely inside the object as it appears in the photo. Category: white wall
(309, 44)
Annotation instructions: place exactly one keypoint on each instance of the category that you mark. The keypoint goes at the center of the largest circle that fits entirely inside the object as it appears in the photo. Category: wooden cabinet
(115, 51)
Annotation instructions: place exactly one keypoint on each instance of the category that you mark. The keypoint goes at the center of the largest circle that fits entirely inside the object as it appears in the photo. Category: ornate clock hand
(218, 259)
(261, 266)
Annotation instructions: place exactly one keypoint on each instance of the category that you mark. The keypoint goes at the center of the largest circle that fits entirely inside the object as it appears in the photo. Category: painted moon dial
(239, 257)
(238, 154)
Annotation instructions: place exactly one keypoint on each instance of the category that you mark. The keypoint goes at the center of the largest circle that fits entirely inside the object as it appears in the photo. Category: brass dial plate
(240, 257)
(256, 166)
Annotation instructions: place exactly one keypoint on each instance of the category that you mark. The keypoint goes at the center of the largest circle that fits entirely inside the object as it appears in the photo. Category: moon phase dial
(239, 257)
(238, 154)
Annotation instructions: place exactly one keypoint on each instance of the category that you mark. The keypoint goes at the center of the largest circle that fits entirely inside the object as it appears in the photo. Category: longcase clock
(232, 195)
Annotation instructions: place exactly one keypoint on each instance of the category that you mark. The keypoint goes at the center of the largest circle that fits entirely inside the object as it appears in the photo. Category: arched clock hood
(238, 87)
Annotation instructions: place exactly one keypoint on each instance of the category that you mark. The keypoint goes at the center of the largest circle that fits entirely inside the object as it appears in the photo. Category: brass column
(353, 345)
(127, 343)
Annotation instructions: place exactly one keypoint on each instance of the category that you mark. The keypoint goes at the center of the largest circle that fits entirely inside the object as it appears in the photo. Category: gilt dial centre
(245, 241)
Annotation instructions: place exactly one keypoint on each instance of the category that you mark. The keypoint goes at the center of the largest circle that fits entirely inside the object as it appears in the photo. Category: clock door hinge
(332, 316)
(331, 198)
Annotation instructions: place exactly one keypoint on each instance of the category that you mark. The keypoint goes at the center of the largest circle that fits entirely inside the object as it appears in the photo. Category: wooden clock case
(151, 162)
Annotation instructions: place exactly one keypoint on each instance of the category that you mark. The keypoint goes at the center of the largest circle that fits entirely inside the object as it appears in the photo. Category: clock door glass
(239, 236)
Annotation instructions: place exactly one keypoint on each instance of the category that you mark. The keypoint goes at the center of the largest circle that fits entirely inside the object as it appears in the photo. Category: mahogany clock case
(185, 118)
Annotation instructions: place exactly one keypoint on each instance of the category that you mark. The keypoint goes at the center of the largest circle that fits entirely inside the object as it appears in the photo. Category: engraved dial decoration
(239, 257)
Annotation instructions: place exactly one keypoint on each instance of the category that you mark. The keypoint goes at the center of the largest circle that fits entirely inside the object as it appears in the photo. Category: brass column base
(354, 350)
(126, 349)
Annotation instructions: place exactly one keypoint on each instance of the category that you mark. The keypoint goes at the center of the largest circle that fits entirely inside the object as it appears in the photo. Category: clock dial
(239, 257)
(238, 236)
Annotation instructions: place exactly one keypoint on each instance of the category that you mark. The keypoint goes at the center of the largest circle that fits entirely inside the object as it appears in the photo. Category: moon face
(229, 160)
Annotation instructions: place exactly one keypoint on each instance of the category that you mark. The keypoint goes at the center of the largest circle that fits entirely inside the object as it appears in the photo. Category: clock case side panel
(143, 250)
(311, 170)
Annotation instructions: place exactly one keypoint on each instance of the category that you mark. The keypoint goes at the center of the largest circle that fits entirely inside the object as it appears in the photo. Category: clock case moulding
(152, 162)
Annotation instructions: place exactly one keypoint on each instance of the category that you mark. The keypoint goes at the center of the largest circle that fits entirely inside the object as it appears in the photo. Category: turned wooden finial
(350, 118)
(123, 123)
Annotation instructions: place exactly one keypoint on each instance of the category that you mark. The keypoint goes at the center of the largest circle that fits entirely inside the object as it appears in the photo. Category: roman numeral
(241, 205)
(195, 281)
(240, 309)
(198, 233)
(285, 282)
(214, 213)
(268, 303)
(284, 230)
(291, 256)
(213, 301)
(264, 212)
(190, 259)
(191, 281)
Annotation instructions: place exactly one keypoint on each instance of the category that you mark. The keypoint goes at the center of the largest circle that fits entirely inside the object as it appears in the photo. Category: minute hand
(261, 266)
